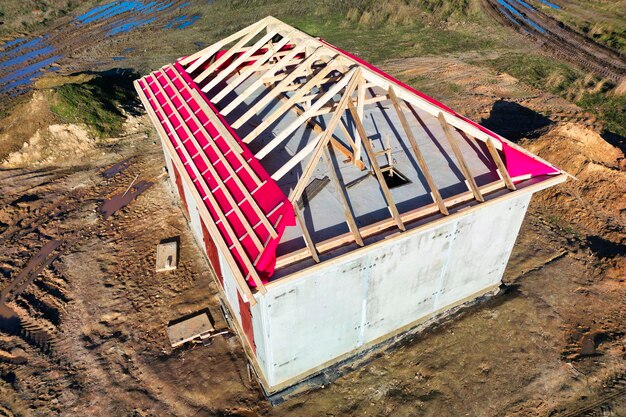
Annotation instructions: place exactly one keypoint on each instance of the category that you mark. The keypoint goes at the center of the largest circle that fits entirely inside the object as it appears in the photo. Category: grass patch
(589, 92)
(101, 103)
(382, 41)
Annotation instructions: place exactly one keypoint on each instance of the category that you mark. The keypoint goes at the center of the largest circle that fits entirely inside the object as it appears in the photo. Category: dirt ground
(92, 337)
(550, 344)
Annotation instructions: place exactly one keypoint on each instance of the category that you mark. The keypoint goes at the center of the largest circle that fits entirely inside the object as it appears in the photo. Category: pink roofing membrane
(160, 88)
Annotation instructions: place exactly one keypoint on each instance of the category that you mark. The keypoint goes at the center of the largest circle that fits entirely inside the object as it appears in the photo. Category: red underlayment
(269, 197)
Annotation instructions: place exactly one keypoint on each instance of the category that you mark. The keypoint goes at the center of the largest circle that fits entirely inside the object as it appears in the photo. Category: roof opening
(393, 177)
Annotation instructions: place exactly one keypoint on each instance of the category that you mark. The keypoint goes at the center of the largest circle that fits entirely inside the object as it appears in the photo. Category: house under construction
(337, 206)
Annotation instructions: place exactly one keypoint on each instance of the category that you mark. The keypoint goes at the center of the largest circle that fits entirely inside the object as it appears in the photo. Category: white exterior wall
(321, 315)
(317, 318)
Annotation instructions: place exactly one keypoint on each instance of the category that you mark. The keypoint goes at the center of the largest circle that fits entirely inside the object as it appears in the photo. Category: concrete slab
(167, 256)
(198, 326)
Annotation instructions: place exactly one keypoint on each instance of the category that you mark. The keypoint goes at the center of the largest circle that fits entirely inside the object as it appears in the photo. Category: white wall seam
(444, 267)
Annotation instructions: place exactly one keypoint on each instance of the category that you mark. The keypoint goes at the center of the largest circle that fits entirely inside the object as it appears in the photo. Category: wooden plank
(360, 105)
(305, 233)
(273, 69)
(221, 60)
(354, 228)
(267, 121)
(306, 115)
(504, 173)
(460, 159)
(238, 61)
(434, 191)
(233, 204)
(248, 196)
(321, 145)
(203, 211)
(229, 230)
(374, 163)
(276, 90)
(249, 70)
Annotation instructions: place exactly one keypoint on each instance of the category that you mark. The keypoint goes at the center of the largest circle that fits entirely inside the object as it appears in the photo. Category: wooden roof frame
(285, 59)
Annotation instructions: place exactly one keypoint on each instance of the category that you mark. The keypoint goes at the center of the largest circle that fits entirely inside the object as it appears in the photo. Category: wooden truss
(310, 79)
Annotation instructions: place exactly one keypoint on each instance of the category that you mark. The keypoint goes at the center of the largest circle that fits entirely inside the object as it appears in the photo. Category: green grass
(27, 15)
(98, 103)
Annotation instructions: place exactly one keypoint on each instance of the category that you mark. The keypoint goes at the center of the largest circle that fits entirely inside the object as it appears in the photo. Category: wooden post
(317, 128)
(504, 174)
(306, 234)
(345, 100)
(302, 68)
(267, 121)
(306, 115)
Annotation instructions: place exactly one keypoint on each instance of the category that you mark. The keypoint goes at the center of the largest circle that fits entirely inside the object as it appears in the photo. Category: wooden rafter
(434, 191)
(271, 52)
(259, 105)
(305, 233)
(273, 69)
(471, 182)
(360, 104)
(502, 171)
(374, 163)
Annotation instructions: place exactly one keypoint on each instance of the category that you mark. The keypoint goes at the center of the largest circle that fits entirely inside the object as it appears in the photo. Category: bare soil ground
(94, 322)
